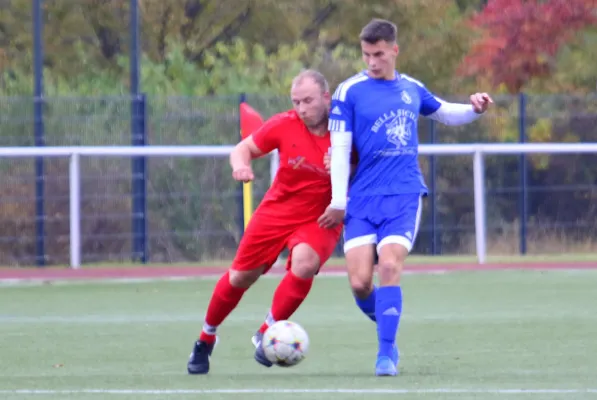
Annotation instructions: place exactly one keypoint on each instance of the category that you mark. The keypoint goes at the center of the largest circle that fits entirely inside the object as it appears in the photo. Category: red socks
(224, 299)
(289, 295)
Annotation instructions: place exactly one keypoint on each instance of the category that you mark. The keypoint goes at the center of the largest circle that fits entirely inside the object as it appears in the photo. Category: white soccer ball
(285, 343)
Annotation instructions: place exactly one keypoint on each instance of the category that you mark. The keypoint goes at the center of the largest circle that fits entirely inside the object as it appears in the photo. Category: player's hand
(481, 102)
(243, 174)
(327, 163)
(330, 218)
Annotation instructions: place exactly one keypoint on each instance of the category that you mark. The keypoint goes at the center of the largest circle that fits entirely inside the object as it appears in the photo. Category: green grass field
(464, 335)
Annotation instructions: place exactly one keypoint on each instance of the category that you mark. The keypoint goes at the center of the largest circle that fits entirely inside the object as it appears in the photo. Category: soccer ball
(285, 343)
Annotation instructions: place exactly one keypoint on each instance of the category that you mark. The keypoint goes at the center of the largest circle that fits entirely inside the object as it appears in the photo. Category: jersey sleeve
(454, 114)
(341, 114)
(268, 137)
(429, 102)
(341, 128)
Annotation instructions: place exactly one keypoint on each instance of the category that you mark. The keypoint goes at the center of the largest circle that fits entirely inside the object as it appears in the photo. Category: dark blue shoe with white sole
(259, 353)
(199, 360)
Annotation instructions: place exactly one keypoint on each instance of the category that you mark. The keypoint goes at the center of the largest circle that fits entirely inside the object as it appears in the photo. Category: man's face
(380, 58)
(310, 102)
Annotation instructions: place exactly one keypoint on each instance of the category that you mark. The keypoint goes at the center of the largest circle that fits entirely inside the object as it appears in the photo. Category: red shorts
(265, 239)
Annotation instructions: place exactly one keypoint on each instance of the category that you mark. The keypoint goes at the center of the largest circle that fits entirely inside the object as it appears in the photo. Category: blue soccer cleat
(395, 356)
(385, 367)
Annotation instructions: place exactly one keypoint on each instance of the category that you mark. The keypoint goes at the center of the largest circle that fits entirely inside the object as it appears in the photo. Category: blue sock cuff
(389, 291)
(368, 298)
(367, 305)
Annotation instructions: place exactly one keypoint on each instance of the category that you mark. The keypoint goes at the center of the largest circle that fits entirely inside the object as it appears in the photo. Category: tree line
(454, 46)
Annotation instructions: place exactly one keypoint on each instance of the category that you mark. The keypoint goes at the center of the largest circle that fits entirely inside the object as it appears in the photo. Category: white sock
(209, 330)
(269, 320)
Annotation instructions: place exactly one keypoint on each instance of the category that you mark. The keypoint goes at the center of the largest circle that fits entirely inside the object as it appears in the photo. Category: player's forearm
(240, 157)
(455, 114)
(340, 167)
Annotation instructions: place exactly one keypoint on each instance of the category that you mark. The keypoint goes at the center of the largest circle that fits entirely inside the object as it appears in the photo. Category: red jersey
(302, 189)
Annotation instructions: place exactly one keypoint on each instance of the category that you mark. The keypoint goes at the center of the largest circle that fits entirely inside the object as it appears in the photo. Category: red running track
(156, 272)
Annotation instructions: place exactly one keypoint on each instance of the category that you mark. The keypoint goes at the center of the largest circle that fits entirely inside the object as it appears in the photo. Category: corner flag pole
(250, 121)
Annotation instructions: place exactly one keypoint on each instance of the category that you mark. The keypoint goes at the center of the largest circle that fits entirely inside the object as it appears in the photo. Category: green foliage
(573, 67)
(266, 40)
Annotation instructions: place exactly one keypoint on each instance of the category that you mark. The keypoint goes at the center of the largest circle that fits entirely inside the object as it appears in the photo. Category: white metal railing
(476, 150)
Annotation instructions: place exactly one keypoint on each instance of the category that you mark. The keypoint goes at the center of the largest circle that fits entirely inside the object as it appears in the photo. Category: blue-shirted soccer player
(376, 111)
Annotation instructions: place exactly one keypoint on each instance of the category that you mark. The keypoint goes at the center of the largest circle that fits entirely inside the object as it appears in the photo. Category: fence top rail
(224, 150)
(115, 151)
(507, 148)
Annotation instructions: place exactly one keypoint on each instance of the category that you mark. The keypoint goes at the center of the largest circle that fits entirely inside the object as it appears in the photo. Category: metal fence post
(38, 127)
(435, 245)
(522, 168)
(74, 175)
(479, 194)
(138, 138)
(139, 167)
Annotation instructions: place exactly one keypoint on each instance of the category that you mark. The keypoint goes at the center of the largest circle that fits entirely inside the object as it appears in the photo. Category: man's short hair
(379, 29)
(316, 76)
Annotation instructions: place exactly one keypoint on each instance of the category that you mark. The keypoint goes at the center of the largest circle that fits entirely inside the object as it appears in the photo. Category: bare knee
(389, 274)
(245, 279)
(361, 286)
(391, 262)
(305, 261)
(359, 262)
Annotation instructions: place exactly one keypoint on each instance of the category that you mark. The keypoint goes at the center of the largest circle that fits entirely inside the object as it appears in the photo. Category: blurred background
(173, 72)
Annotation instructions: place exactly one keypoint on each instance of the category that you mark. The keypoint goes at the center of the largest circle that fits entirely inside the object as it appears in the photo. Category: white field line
(164, 392)
(488, 317)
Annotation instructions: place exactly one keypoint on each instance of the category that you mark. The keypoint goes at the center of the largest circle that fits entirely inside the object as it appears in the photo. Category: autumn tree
(520, 39)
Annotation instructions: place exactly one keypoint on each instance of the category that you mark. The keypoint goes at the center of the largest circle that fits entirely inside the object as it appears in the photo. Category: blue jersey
(382, 116)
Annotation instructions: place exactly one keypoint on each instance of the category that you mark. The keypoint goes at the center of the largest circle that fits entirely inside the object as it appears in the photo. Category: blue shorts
(381, 220)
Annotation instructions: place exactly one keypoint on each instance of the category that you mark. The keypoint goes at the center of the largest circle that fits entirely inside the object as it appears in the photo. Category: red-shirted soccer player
(287, 216)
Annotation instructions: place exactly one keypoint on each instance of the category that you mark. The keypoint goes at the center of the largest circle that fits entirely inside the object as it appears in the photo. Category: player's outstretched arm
(459, 114)
(240, 159)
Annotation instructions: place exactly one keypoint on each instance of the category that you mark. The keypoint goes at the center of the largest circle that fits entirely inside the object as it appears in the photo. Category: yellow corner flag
(250, 121)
